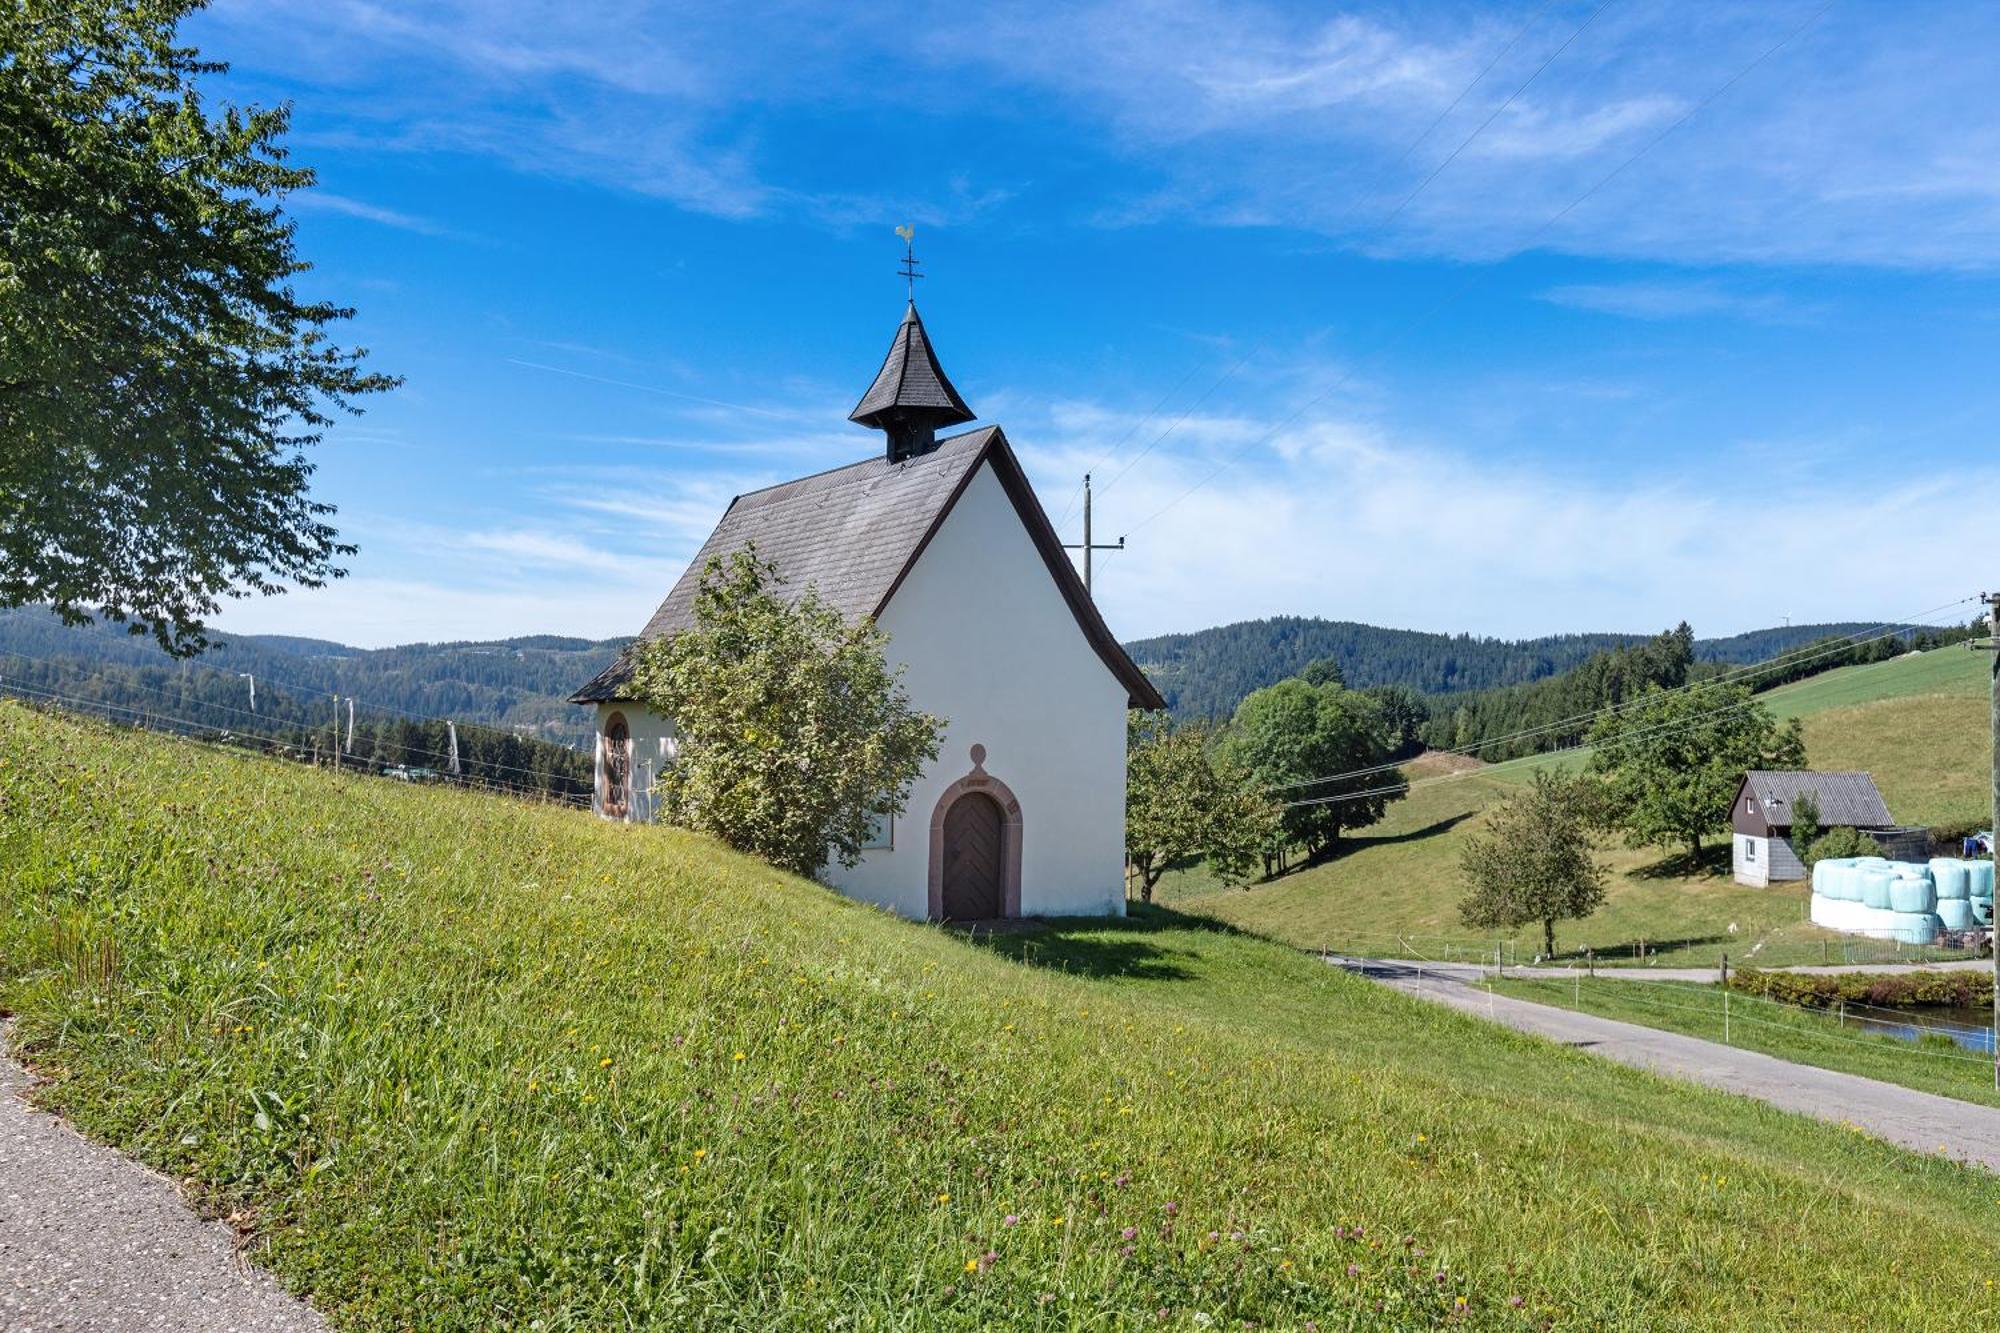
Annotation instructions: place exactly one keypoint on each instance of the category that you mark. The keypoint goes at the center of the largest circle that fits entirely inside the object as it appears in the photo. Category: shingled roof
(911, 382)
(1848, 800)
(853, 534)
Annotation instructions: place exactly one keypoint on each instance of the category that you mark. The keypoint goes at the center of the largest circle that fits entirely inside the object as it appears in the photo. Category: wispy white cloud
(1677, 300)
(321, 201)
(1866, 140)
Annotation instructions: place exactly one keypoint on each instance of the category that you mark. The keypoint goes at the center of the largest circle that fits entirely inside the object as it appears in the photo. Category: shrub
(1823, 990)
(1835, 842)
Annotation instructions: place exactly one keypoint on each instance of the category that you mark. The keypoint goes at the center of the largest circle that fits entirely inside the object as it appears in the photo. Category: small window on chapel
(881, 834)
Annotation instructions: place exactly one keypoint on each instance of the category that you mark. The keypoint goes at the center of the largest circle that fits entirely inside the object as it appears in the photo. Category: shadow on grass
(1628, 951)
(1714, 862)
(1102, 947)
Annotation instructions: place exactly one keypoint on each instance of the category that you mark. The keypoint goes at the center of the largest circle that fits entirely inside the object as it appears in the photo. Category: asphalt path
(1920, 1121)
(91, 1240)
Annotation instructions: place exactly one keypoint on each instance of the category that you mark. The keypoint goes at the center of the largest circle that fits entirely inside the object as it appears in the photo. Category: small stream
(1970, 1028)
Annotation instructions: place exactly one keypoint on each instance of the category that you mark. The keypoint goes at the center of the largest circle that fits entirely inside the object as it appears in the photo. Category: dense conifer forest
(1207, 673)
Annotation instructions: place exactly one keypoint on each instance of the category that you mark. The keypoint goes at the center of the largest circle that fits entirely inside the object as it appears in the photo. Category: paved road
(90, 1240)
(1475, 970)
(1916, 1120)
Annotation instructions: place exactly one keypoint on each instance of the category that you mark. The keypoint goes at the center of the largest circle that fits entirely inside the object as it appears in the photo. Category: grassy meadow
(457, 1062)
(1919, 723)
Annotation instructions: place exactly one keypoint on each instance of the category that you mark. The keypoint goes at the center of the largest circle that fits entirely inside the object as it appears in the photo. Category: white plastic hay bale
(1952, 878)
(1979, 879)
(1956, 913)
(1917, 927)
(1910, 895)
(1875, 882)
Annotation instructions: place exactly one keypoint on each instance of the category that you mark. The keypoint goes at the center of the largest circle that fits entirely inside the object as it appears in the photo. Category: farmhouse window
(1750, 850)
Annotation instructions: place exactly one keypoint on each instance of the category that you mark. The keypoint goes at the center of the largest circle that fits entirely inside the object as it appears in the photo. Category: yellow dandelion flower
(944, 1198)
(972, 1265)
(605, 1063)
(739, 1056)
(700, 1153)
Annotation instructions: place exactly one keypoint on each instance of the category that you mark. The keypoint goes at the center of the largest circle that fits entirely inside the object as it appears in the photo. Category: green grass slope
(457, 1062)
(1918, 723)
(1921, 724)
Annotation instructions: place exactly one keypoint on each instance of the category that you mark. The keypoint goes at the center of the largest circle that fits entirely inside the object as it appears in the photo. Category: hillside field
(456, 1062)
(1918, 723)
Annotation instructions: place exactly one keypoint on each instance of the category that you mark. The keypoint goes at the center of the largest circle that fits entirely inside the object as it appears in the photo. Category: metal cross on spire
(909, 268)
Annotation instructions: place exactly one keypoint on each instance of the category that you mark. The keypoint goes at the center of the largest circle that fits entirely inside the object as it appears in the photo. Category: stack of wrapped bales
(1883, 899)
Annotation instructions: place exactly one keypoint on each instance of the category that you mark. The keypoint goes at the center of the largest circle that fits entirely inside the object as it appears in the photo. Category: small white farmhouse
(943, 542)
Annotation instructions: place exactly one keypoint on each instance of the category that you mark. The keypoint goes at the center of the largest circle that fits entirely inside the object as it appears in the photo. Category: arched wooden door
(617, 767)
(974, 859)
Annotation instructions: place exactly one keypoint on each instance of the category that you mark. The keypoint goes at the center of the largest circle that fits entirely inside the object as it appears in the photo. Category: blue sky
(1355, 312)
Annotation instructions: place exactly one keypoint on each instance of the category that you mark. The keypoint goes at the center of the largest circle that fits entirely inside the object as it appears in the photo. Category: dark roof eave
(1140, 690)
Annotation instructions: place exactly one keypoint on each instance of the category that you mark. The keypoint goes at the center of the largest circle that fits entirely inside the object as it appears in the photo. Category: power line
(1130, 431)
(1663, 728)
(183, 700)
(1796, 657)
(1353, 209)
(1475, 279)
(1494, 114)
(202, 731)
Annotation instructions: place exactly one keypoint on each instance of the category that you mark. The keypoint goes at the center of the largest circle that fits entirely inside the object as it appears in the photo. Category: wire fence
(243, 741)
(1717, 1004)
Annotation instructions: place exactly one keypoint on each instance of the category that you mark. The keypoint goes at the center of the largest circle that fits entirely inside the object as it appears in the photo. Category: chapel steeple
(910, 398)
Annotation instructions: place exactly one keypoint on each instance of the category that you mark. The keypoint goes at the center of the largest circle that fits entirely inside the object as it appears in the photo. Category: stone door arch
(975, 860)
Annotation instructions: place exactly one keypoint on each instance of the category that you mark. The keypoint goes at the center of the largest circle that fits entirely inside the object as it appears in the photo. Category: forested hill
(1206, 673)
(521, 685)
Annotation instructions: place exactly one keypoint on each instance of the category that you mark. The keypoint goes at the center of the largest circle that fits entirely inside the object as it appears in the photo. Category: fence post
(1725, 1017)
(1590, 959)
(1725, 971)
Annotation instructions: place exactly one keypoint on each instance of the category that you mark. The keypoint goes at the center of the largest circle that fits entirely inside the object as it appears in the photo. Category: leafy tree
(160, 380)
(1305, 743)
(1324, 671)
(1532, 862)
(795, 736)
(1183, 800)
(1805, 820)
(1671, 763)
(1404, 712)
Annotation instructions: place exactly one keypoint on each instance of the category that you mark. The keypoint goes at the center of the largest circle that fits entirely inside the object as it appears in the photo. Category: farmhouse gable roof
(1845, 799)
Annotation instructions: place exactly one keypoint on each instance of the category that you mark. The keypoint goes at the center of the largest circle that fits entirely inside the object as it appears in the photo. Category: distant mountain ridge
(520, 685)
(1206, 673)
(523, 684)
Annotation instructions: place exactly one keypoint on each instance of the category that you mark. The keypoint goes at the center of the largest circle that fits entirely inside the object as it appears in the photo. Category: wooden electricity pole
(1087, 546)
(1992, 645)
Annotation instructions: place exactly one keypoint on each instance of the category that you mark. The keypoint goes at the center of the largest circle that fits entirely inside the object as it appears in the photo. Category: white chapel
(943, 542)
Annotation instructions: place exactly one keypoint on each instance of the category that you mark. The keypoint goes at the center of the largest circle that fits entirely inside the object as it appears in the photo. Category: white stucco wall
(652, 749)
(990, 646)
(1752, 860)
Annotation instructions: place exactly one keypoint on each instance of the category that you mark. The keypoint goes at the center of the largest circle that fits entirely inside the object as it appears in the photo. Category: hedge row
(1822, 990)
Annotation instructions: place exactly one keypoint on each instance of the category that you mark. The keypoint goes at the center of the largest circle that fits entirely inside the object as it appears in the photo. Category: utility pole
(253, 688)
(336, 733)
(1992, 645)
(1087, 546)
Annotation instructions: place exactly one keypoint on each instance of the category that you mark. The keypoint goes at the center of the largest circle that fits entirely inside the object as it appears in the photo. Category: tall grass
(456, 1062)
